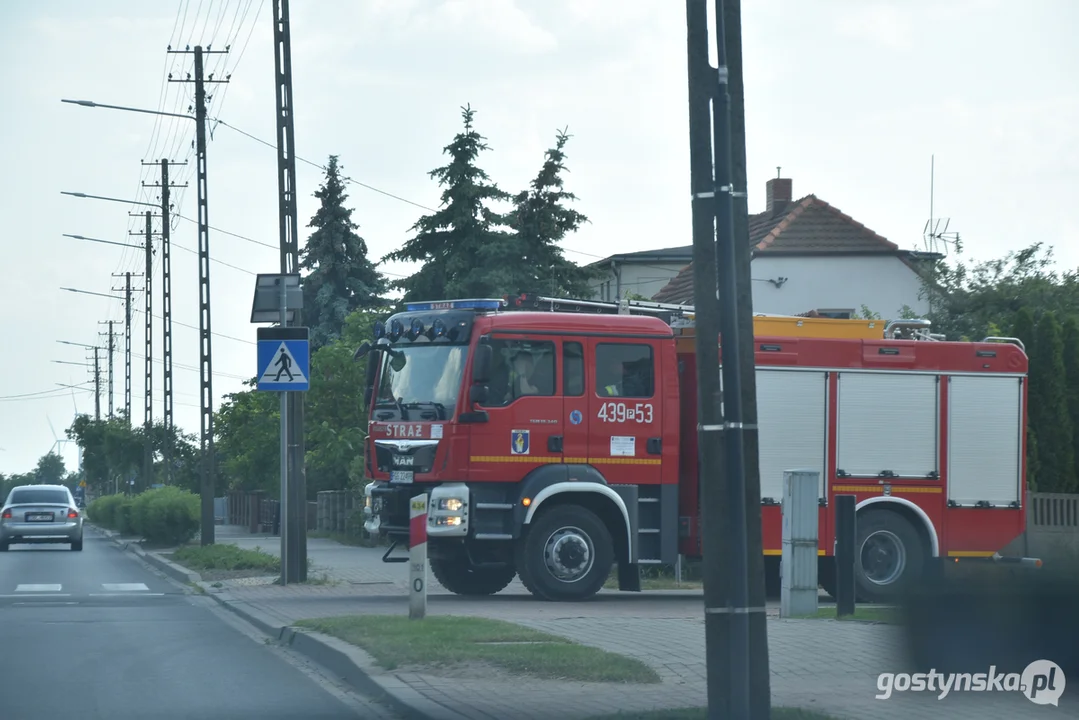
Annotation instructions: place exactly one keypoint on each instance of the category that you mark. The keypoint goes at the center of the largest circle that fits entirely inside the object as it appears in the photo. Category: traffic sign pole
(284, 360)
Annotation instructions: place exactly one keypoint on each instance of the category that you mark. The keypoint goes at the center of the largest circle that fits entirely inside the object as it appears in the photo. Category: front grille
(394, 510)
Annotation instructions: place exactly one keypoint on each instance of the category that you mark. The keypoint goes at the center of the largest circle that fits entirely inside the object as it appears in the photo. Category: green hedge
(163, 516)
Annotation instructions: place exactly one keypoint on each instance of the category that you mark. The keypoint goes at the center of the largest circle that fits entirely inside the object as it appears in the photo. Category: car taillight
(72, 513)
(6, 515)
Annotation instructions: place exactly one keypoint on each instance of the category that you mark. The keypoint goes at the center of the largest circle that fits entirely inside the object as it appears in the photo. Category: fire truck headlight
(446, 521)
(450, 504)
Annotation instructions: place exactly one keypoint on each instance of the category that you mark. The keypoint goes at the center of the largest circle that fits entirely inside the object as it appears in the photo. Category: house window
(836, 314)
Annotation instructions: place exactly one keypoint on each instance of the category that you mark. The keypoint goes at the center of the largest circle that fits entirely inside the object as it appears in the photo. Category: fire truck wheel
(566, 554)
(461, 578)
(889, 556)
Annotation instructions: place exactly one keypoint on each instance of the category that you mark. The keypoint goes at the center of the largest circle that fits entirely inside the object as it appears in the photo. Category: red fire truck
(557, 439)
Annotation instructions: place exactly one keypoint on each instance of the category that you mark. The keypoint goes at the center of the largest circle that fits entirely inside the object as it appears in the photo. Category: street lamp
(205, 335)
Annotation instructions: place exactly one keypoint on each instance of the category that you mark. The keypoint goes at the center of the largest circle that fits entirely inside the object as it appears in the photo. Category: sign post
(284, 367)
(417, 558)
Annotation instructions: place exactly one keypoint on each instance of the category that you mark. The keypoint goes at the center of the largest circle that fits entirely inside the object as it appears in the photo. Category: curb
(347, 662)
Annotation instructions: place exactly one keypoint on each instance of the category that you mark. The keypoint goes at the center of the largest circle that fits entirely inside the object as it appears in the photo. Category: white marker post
(417, 558)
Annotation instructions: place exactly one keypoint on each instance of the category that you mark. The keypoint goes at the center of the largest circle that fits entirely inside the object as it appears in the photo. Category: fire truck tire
(565, 554)
(889, 556)
(461, 578)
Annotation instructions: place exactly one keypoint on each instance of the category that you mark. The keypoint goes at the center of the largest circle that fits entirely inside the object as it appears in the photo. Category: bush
(162, 516)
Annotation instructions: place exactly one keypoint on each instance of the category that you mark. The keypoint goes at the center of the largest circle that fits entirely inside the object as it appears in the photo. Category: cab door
(625, 412)
(524, 420)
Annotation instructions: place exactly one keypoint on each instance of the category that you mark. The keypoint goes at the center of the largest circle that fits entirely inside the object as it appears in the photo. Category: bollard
(845, 533)
(799, 588)
(417, 558)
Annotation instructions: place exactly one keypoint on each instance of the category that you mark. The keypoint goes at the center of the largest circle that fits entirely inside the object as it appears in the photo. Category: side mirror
(362, 351)
(481, 364)
(477, 394)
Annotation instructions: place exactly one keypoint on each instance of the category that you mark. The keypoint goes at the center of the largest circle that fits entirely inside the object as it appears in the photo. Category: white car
(40, 514)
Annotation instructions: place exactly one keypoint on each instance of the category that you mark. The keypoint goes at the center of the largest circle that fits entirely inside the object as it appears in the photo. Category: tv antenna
(935, 233)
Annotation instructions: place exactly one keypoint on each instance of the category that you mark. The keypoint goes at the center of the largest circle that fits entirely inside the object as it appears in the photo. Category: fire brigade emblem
(519, 442)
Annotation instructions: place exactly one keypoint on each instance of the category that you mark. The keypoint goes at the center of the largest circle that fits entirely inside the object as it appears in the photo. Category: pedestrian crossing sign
(283, 359)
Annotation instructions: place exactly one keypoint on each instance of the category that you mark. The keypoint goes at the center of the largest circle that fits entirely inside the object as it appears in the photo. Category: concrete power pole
(148, 416)
(206, 399)
(166, 309)
(111, 349)
(127, 289)
(97, 387)
(294, 526)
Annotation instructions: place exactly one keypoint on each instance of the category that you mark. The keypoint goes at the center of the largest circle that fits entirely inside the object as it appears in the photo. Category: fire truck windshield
(426, 385)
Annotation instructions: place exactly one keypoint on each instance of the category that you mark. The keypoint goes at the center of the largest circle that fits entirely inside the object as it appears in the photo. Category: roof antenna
(935, 233)
(778, 168)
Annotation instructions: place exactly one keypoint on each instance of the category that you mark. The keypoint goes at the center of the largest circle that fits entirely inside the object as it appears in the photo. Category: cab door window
(625, 370)
(520, 368)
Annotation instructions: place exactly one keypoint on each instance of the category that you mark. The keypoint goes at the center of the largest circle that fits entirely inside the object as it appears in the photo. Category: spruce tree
(1048, 409)
(541, 220)
(341, 278)
(462, 243)
(1071, 379)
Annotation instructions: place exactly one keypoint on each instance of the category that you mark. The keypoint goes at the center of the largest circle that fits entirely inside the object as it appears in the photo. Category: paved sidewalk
(823, 665)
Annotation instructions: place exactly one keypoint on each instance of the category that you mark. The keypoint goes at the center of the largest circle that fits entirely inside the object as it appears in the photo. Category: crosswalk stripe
(38, 588)
(125, 587)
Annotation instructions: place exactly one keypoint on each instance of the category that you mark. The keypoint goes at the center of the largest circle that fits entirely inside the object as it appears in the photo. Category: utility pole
(127, 343)
(759, 674)
(206, 411)
(111, 351)
(713, 491)
(294, 494)
(166, 310)
(97, 387)
(148, 416)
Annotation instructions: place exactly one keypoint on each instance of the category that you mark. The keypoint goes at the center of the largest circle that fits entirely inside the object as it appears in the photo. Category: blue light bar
(476, 304)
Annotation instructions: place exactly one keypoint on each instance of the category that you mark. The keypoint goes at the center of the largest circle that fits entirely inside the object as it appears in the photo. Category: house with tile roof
(642, 273)
(810, 256)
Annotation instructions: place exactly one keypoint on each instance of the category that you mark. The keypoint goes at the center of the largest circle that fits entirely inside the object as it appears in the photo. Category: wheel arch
(916, 516)
(599, 498)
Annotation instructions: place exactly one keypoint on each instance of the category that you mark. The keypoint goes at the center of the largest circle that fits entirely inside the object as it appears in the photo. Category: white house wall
(645, 280)
(883, 284)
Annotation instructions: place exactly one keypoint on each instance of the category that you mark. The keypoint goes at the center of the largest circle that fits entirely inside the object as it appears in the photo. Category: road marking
(124, 587)
(42, 595)
(38, 588)
(120, 594)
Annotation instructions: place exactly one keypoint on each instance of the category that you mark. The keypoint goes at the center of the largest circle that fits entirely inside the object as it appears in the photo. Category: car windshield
(422, 382)
(37, 496)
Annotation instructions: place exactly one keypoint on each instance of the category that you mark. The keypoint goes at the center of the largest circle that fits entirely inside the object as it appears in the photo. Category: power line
(42, 395)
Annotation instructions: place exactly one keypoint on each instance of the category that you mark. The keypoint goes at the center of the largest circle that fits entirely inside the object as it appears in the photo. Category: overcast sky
(849, 97)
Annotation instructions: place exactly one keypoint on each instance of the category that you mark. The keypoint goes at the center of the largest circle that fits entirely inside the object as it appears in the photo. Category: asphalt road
(98, 635)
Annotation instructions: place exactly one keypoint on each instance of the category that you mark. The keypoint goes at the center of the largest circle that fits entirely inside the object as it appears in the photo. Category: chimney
(778, 191)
